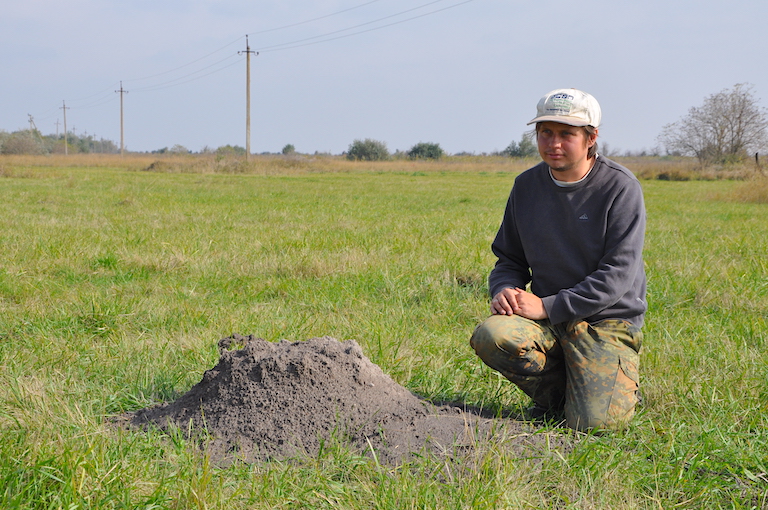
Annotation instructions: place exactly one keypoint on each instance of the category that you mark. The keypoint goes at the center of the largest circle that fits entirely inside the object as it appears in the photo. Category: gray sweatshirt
(580, 247)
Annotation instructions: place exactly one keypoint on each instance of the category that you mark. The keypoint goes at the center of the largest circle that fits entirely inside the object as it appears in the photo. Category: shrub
(368, 150)
(22, 142)
(230, 150)
(426, 150)
(289, 149)
(527, 147)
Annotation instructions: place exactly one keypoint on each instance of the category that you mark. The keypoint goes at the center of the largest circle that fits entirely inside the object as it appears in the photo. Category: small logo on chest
(584, 217)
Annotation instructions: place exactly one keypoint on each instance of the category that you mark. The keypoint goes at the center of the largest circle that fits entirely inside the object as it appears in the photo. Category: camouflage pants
(587, 370)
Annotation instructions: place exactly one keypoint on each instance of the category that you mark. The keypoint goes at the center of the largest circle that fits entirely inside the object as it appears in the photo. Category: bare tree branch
(728, 127)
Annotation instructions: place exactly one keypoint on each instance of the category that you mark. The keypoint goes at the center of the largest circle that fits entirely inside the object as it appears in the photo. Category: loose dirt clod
(282, 400)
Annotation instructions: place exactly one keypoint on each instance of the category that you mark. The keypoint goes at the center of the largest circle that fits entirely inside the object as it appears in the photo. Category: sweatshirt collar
(564, 184)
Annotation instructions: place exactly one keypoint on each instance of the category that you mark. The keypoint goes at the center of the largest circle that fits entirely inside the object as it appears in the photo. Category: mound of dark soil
(281, 400)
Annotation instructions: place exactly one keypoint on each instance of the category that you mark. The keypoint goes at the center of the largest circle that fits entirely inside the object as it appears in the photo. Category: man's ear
(593, 138)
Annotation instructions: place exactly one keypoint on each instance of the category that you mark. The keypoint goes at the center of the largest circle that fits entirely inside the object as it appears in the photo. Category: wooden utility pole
(122, 137)
(65, 108)
(247, 52)
(33, 127)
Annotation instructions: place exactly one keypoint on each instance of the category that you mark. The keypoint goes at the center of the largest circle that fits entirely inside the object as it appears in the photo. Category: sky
(466, 74)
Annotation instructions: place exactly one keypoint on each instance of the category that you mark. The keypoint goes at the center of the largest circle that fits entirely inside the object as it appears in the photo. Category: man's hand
(504, 302)
(518, 302)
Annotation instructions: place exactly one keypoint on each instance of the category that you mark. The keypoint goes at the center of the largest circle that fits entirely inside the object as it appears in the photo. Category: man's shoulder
(614, 170)
(533, 172)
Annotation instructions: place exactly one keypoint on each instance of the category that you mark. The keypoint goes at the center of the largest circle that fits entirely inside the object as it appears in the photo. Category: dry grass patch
(263, 164)
(752, 192)
(669, 168)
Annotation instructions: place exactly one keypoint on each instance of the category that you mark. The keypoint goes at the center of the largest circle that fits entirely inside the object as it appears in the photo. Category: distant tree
(526, 148)
(728, 127)
(23, 142)
(81, 143)
(426, 150)
(178, 149)
(33, 142)
(57, 147)
(102, 146)
(230, 150)
(399, 154)
(289, 149)
(368, 150)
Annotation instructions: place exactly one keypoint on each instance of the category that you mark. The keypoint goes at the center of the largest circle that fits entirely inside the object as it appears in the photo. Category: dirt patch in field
(284, 400)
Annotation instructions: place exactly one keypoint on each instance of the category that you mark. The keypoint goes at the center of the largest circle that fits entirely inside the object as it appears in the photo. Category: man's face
(561, 146)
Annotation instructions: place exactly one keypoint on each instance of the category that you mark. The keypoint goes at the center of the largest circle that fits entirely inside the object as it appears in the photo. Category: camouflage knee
(526, 353)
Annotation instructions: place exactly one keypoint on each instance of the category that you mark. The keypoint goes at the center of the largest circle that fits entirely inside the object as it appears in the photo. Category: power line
(292, 44)
(313, 19)
(99, 102)
(106, 97)
(102, 92)
(189, 63)
(173, 83)
(181, 80)
(267, 48)
(295, 45)
(252, 33)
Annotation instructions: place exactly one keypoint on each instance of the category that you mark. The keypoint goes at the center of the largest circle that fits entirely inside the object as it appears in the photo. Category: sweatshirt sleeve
(511, 269)
(617, 270)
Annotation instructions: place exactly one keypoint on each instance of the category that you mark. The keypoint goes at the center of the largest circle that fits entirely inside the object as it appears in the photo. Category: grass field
(116, 284)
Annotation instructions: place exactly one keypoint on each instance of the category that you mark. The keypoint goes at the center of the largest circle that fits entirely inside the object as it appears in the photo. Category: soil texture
(287, 400)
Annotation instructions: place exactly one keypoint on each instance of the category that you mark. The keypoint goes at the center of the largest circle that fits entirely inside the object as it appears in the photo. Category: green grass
(115, 287)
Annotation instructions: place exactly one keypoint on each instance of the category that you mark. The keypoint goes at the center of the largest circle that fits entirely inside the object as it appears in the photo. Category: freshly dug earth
(285, 400)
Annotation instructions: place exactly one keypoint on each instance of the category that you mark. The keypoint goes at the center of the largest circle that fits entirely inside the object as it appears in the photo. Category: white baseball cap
(568, 106)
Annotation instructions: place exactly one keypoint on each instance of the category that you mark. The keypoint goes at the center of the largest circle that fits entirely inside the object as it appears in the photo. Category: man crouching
(573, 228)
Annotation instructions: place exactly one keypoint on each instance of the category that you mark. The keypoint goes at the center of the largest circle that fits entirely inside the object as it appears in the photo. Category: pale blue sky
(467, 77)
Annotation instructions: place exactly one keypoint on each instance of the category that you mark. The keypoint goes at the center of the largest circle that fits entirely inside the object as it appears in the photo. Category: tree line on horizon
(32, 142)
(730, 127)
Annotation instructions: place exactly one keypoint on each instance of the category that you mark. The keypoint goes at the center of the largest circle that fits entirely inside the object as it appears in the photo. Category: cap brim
(571, 121)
